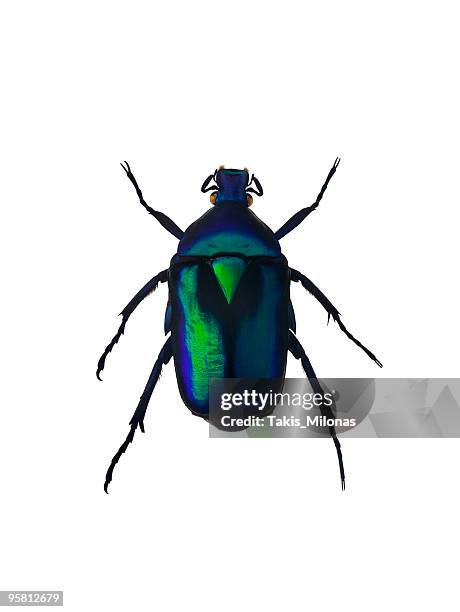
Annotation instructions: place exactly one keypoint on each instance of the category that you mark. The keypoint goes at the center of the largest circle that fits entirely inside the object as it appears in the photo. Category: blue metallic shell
(229, 228)
(241, 334)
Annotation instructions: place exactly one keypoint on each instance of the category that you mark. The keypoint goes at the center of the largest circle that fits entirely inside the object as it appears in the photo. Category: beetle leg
(297, 219)
(137, 419)
(127, 311)
(330, 309)
(165, 221)
(298, 352)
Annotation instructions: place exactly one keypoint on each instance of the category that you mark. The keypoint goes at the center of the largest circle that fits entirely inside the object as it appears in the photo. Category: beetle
(229, 313)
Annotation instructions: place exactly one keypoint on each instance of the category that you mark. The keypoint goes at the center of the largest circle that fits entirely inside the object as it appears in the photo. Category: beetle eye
(213, 197)
(249, 199)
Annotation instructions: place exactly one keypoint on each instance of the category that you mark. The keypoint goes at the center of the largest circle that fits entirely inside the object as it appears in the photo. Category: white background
(178, 88)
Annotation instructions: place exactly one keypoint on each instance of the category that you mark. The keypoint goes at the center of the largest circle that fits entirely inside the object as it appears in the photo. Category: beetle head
(231, 185)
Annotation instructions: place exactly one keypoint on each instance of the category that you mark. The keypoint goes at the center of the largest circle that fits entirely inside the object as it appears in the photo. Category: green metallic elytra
(229, 319)
(201, 347)
(229, 271)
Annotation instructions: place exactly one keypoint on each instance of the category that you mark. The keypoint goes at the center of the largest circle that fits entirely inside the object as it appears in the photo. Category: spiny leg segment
(330, 309)
(137, 419)
(165, 221)
(297, 219)
(127, 311)
(298, 352)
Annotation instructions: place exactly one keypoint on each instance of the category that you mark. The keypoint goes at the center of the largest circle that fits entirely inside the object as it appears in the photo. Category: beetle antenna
(205, 186)
(259, 192)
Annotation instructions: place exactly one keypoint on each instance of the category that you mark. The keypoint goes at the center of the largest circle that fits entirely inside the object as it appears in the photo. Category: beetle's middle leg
(127, 311)
(137, 420)
(331, 310)
(297, 350)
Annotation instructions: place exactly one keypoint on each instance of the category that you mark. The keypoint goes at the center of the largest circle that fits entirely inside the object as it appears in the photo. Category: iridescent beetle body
(229, 313)
(229, 295)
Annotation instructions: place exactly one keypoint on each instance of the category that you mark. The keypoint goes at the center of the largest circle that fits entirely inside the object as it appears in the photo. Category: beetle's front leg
(330, 309)
(127, 311)
(163, 219)
(300, 216)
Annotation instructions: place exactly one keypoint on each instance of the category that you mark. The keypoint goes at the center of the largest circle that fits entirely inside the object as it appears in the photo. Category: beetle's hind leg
(137, 419)
(298, 352)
